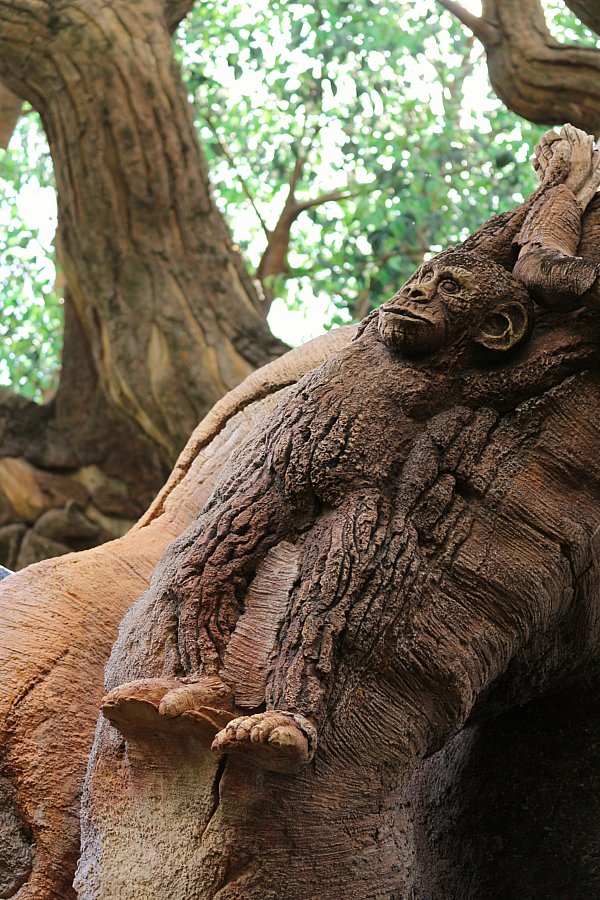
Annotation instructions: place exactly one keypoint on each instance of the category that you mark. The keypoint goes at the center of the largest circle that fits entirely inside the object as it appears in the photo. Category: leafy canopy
(388, 101)
(31, 319)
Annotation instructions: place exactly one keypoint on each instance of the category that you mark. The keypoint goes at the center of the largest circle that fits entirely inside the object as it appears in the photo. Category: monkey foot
(197, 705)
(278, 741)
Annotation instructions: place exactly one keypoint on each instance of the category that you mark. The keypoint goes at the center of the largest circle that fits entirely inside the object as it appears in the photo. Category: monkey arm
(566, 159)
(216, 560)
(496, 237)
(553, 160)
(548, 263)
(589, 244)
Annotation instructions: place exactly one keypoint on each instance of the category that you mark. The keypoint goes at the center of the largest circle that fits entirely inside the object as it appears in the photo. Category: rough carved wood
(407, 546)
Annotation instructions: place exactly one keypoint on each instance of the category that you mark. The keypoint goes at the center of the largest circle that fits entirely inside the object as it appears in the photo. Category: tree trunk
(10, 110)
(504, 610)
(161, 317)
(404, 549)
(58, 621)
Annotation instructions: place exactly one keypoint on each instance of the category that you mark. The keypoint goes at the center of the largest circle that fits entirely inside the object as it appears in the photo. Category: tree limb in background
(175, 11)
(588, 11)
(274, 260)
(10, 111)
(538, 78)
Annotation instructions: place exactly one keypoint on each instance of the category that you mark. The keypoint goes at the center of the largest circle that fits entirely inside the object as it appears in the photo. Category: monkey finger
(577, 137)
(560, 157)
(591, 183)
(547, 153)
(543, 150)
(546, 141)
(570, 132)
(594, 181)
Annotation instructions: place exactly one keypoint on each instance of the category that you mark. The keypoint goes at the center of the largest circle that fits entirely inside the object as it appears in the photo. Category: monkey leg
(338, 558)
(202, 706)
(216, 563)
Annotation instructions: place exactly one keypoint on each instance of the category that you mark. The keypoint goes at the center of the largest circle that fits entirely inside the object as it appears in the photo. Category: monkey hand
(569, 158)
(552, 159)
(583, 177)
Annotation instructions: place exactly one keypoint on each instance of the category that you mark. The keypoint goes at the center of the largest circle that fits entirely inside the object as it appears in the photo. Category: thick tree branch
(588, 11)
(538, 78)
(175, 11)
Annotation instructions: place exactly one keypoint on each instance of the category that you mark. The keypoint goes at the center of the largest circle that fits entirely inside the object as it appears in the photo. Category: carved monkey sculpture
(319, 480)
(316, 490)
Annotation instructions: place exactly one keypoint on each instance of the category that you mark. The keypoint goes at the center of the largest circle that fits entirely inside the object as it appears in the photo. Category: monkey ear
(505, 328)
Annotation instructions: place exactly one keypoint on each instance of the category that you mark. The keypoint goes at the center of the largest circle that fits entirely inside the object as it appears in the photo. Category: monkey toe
(277, 741)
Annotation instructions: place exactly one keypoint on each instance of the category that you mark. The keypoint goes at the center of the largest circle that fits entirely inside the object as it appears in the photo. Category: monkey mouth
(405, 314)
(407, 332)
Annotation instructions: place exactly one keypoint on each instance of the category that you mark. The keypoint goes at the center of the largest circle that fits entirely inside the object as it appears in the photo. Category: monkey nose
(419, 293)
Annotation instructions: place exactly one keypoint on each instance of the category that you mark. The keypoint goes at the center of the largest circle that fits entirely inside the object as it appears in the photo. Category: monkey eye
(449, 285)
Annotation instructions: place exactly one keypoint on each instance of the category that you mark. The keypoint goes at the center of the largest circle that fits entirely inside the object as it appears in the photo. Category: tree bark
(536, 76)
(156, 295)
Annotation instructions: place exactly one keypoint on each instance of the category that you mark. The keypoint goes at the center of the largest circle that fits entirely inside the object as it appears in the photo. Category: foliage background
(388, 100)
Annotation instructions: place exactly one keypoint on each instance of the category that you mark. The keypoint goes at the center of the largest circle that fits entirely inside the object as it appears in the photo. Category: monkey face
(427, 312)
(456, 298)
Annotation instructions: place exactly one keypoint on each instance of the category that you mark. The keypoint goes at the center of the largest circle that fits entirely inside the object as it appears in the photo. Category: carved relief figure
(320, 496)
